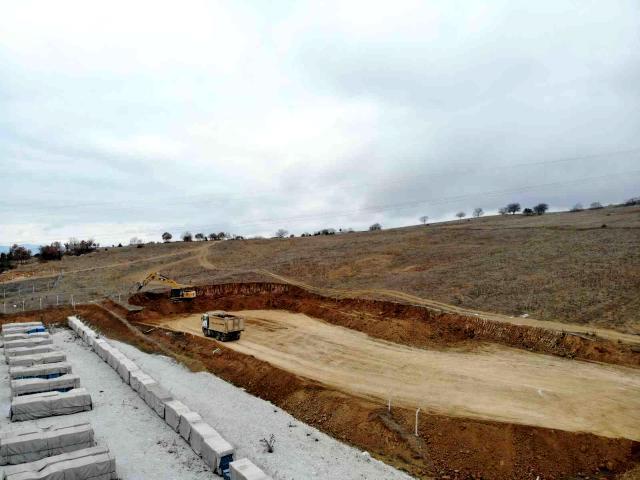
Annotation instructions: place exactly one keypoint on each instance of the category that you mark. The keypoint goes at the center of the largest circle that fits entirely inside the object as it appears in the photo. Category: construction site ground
(447, 446)
(492, 382)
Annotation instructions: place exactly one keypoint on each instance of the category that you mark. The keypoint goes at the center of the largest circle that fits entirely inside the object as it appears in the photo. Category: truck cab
(222, 325)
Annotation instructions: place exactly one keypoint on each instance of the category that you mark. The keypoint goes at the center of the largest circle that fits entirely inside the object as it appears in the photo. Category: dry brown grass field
(581, 267)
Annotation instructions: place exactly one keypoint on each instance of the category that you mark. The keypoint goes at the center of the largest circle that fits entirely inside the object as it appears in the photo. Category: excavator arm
(157, 277)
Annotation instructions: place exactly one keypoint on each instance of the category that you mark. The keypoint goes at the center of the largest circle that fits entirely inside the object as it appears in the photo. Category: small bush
(51, 252)
(269, 444)
(77, 247)
(541, 208)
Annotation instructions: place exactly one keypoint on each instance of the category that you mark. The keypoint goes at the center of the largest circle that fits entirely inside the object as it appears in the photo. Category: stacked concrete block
(156, 397)
(54, 356)
(95, 463)
(172, 412)
(42, 386)
(125, 368)
(28, 386)
(199, 432)
(144, 385)
(20, 351)
(36, 443)
(28, 342)
(49, 404)
(187, 421)
(217, 453)
(244, 469)
(138, 380)
(23, 335)
(45, 370)
(20, 326)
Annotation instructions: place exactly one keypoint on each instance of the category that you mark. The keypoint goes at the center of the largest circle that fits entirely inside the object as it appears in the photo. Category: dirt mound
(395, 322)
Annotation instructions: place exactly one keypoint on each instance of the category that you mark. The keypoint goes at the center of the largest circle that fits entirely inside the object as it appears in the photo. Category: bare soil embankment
(446, 447)
(399, 323)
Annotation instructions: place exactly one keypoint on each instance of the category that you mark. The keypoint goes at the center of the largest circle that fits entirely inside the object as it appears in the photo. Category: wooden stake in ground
(417, 412)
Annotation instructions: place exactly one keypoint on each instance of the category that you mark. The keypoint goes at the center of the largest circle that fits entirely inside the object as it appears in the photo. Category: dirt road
(496, 383)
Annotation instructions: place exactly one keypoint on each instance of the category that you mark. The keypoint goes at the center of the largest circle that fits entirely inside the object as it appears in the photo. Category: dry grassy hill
(581, 267)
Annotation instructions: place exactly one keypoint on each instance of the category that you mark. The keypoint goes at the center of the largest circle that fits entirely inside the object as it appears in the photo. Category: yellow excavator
(178, 291)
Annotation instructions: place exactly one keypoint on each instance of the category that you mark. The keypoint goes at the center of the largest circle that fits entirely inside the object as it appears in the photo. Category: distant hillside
(579, 267)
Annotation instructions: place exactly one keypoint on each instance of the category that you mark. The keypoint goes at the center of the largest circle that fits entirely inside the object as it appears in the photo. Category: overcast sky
(122, 119)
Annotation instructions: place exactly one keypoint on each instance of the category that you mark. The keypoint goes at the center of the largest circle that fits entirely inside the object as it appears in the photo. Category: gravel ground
(301, 451)
(144, 446)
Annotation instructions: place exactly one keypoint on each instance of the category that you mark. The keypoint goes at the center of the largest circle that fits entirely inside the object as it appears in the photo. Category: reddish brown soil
(406, 324)
(447, 447)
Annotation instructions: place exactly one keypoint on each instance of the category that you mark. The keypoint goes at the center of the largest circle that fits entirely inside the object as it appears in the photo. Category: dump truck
(222, 325)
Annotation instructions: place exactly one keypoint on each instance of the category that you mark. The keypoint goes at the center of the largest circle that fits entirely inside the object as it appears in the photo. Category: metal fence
(42, 300)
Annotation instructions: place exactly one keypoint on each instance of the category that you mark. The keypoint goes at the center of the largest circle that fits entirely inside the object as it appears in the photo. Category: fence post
(57, 300)
(23, 305)
(73, 304)
(40, 303)
(417, 412)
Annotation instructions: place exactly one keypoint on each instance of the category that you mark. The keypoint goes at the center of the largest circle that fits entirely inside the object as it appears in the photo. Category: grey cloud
(433, 114)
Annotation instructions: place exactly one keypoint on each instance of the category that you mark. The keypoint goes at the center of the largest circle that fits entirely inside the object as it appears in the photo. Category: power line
(381, 208)
(440, 201)
(225, 199)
